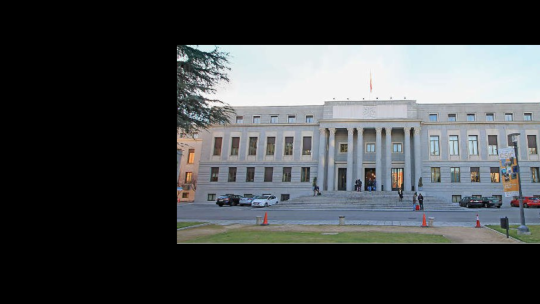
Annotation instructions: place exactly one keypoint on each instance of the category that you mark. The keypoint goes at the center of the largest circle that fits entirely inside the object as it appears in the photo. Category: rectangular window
(434, 145)
(289, 145)
(273, 119)
(291, 118)
(191, 156)
(214, 174)
(508, 116)
(453, 144)
(256, 119)
(456, 198)
(232, 174)
(451, 117)
(397, 148)
(211, 197)
(535, 175)
(285, 197)
(435, 175)
(494, 172)
(189, 176)
(527, 116)
(239, 119)
(531, 143)
(268, 172)
(490, 117)
(235, 145)
(471, 117)
(473, 144)
(306, 145)
(475, 174)
(432, 117)
(455, 176)
(492, 145)
(370, 147)
(343, 148)
(309, 118)
(252, 146)
(305, 174)
(217, 145)
(250, 174)
(270, 145)
(286, 174)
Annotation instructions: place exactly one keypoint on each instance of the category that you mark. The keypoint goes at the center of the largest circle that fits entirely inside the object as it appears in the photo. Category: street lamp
(522, 229)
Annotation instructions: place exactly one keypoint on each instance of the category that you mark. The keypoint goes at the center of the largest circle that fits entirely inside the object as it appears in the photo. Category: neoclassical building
(452, 147)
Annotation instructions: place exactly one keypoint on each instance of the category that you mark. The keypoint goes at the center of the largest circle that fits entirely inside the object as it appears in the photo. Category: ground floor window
(456, 198)
(211, 196)
(535, 176)
(285, 197)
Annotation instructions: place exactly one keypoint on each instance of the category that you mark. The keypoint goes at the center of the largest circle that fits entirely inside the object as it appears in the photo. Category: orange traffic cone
(477, 222)
(424, 221)
(265, 222)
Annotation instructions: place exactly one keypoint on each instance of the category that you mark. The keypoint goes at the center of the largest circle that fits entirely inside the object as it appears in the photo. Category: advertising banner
(509, 172)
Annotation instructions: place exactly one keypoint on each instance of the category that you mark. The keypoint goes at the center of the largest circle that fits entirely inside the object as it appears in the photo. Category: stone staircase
(366, 201)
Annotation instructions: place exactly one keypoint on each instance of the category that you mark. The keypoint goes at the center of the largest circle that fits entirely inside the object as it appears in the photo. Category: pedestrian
(421, 201)
(317, 190)
(400, 193)
(359, 185)
(356, 185)
(369, 185)
(414, 201)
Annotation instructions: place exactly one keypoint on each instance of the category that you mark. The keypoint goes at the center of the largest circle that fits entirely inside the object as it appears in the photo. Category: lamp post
(522, 229)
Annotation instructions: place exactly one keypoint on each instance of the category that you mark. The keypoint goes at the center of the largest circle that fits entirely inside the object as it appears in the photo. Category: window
(286, 174)
(273, 119)
(285, 197)
(473, 144)
(490, 117)
(494, 172)
(252, 146)
(471, 117)
(475, 174)
(250, 174)
(451, 117)
(191, 156)
(343, 148)
(239, 119)
(453, 143)
(291, 118)
(270, 145)
(306, 145)
(268, 172)
(211, 197)
(535, 176)
(232, 174)
(397, 148)
(531, 143)
(185, 195)
(189, 176)
(492, 145)
(217, 146)
(432, 117)
(456, 198)
(370, 147)
(235, 145)
(256, 119)
(289, 145)
(434, 145)
(435, 175)
(527, 116)
(214, 174)
(304, 177)
(455, 175)
(508, 116)
(309, 118)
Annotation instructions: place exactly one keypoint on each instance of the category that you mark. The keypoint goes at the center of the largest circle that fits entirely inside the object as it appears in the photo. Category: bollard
(259, 220)
(430, 221)
(342, 220)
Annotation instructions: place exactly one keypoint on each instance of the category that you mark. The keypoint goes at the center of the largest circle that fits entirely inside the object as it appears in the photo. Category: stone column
(417, 164)
(407, 150)
(350, 164)
(322, 148)
(378, 158)
(360, 155)
(331, 162)
(388, 166)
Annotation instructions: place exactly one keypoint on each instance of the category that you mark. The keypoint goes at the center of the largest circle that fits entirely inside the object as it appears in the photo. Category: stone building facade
(452, 147)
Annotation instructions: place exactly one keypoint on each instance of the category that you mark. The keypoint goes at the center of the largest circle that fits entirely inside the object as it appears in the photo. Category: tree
(199, 73)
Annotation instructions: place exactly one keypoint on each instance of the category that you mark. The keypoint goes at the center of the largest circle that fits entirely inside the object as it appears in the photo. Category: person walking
(359, 185)
(421, 201)
(400, 193)
(414, 201)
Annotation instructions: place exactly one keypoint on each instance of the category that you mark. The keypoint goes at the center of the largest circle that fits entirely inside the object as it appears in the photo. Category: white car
(264, 201)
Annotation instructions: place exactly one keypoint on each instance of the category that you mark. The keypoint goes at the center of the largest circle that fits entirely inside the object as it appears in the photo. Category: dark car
(491, 201)
(228, 199)
(469, 201)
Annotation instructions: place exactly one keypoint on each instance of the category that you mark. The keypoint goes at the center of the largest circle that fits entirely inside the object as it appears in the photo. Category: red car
(528, 201)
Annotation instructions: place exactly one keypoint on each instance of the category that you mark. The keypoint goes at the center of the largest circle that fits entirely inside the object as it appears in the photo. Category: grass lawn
(534, 237)
(187, 224)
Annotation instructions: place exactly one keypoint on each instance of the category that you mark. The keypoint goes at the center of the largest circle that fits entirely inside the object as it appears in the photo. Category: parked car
(469, 201)
(528, 201)
(228, 199)
(264, 201)
(491, 201)
(246, 201)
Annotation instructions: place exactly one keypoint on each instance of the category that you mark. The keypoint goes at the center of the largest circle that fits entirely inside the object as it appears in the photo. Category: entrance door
(369, 175)
(397, 178)
(342, 179)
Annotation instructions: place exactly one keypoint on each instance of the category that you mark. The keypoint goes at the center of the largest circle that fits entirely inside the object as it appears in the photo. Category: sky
(264, 75)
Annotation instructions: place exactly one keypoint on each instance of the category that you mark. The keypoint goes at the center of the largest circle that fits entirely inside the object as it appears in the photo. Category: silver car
(264, 201)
